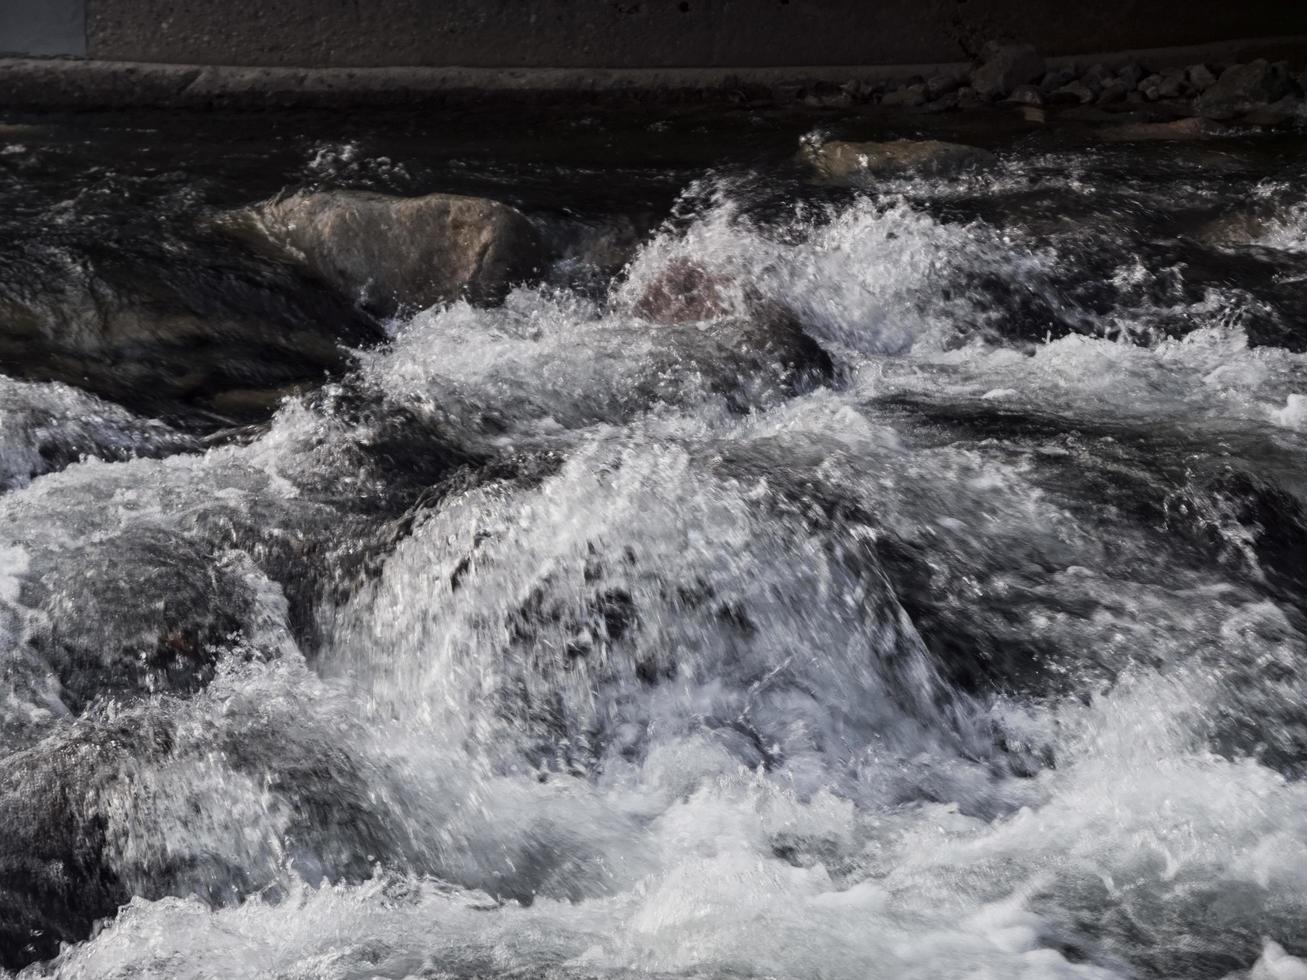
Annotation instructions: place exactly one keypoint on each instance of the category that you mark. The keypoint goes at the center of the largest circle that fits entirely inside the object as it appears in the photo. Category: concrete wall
(44, 27)
(653, 33)
(617, 33)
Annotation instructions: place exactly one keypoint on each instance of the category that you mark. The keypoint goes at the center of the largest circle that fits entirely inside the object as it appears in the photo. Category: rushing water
(546, 641)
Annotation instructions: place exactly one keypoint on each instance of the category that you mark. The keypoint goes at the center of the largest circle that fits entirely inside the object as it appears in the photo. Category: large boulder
(391, 253)
(212, 799)
(1003, 67)
(744, 346)
(841, 161)
(172, 327)
(1245, 88)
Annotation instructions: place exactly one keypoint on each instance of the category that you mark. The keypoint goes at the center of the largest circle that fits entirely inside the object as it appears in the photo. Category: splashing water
(928, 603)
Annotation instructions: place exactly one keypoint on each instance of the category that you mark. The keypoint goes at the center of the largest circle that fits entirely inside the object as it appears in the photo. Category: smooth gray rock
(391, 252)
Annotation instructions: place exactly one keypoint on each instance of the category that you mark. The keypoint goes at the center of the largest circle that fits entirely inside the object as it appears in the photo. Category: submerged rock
(1277, 113)
(46, 427)
(392, 252)
(167, 328)
(213, 800)
(841, 161)
(686, 292)
(1192, 128)
(759, 345)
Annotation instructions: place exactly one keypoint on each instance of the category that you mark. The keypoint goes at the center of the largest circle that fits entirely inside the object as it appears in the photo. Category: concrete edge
(42, 83)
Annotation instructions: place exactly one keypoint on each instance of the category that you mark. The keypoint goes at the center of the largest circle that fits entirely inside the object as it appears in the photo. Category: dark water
(542, 640)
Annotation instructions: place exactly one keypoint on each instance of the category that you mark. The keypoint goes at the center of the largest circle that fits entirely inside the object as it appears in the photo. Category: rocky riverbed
(835, 540)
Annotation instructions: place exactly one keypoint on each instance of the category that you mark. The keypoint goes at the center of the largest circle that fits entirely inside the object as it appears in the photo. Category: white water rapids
(967, 661)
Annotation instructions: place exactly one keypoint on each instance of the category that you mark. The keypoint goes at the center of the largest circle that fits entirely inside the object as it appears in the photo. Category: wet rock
(1180, 129)
(1151, 87)
(161, 801)
(908, 97)
(1279, 113)
(1200, 78)
(163, 329)
(46, 427)
(53, 882)
(1173, 84)
(942, 84)
(842, 161)
(133, 614)
(1055, 79)
(1075, 93)
(1003, 67)
(1130, 76)
(968, 98)
(1244, 88)
(392, 252)
(1026, 95)
(827, 96)
(753, 336)
(1115, 91)
(857, 90)
(1097, 78)
(945, 103)
(686, 292)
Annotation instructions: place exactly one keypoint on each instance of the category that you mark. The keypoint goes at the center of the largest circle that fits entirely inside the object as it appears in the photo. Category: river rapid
(538, 639)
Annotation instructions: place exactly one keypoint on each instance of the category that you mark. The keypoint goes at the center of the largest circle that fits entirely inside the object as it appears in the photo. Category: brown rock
(1179, 129)
(393, 252)
(686, 293)
(840, 161)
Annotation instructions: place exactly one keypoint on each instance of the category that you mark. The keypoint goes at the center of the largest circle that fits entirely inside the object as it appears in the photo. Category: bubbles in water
(604, 635)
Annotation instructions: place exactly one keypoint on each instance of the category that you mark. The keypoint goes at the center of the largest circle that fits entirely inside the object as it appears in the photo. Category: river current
(546, 641)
